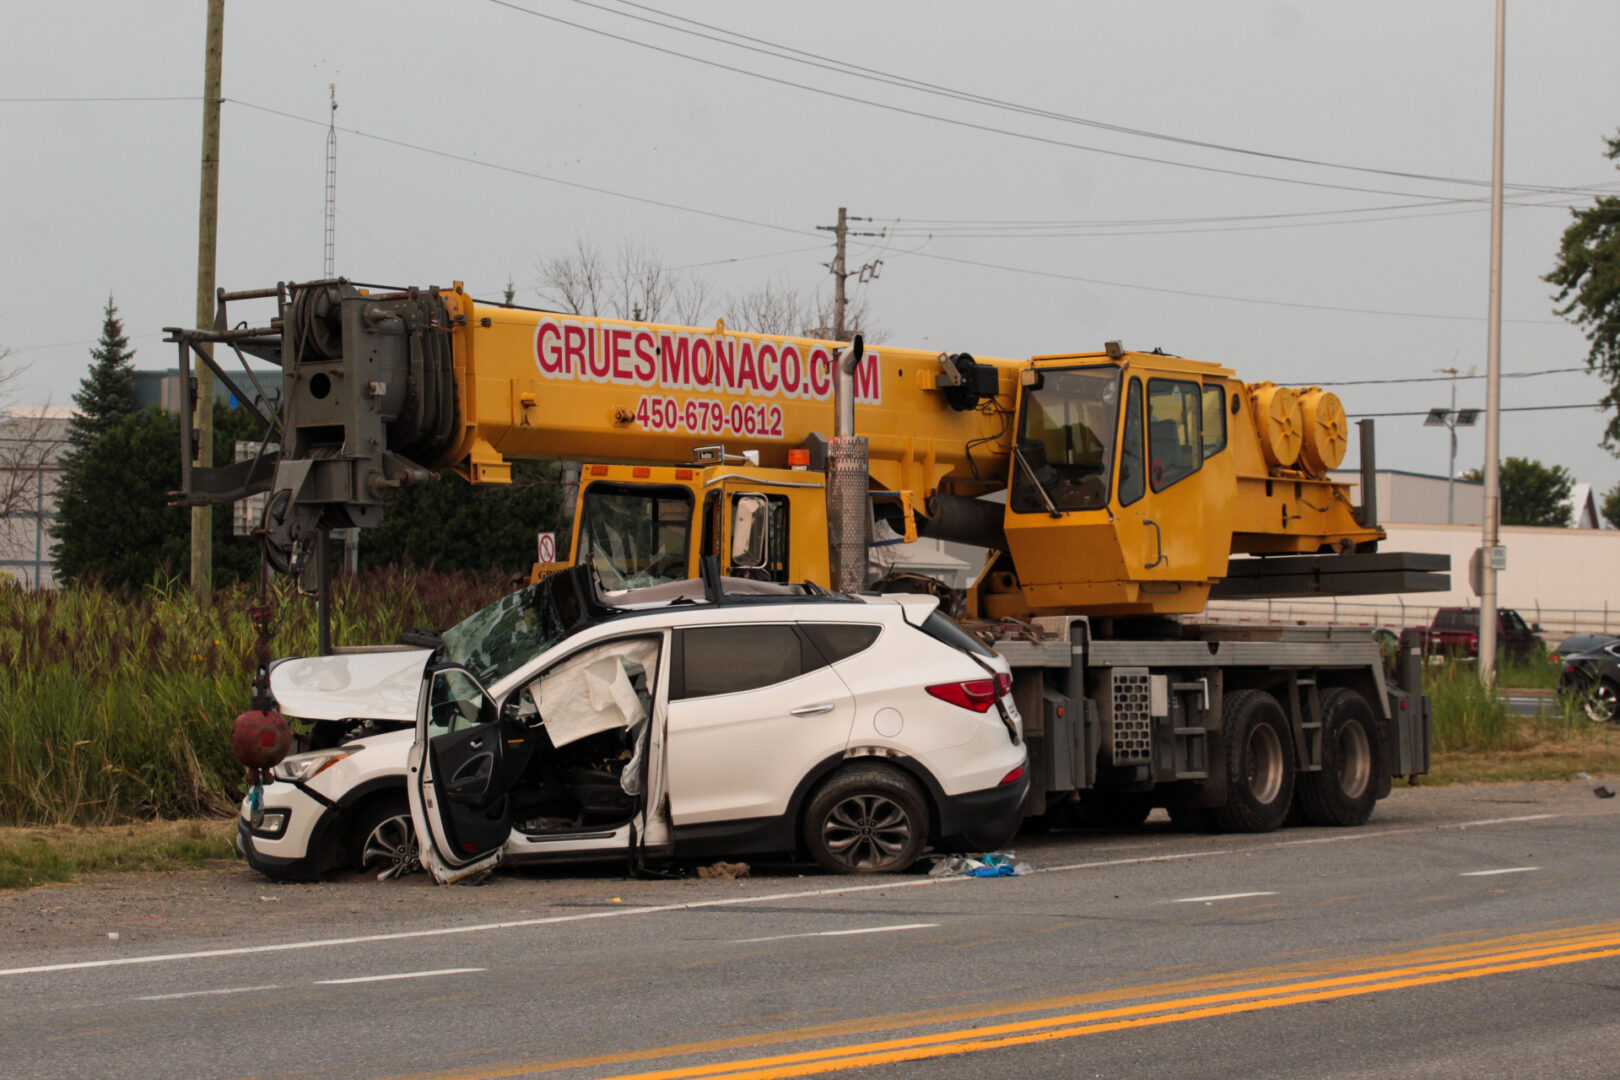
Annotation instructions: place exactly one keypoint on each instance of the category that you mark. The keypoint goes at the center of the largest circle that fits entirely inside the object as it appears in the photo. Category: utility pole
(1491, 553)
(202, 517)
(329, 265)
(868, 272)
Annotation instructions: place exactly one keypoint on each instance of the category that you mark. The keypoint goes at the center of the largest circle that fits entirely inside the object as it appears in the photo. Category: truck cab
(642, 525)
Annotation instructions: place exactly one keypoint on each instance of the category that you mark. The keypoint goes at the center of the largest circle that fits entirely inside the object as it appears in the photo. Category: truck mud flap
(1410, 728)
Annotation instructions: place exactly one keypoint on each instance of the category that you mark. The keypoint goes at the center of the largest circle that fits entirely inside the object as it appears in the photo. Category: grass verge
(40, 856)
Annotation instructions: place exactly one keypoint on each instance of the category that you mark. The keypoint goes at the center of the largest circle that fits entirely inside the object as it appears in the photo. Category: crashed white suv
(696, 718)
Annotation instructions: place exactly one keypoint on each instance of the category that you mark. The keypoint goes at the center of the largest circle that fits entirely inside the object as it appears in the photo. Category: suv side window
(840, 641)
(731, 659)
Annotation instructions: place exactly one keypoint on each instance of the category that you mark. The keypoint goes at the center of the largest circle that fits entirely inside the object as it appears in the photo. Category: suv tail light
(975, 694)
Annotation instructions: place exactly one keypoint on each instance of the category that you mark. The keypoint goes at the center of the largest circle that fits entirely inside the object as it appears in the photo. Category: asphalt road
(1464, 932)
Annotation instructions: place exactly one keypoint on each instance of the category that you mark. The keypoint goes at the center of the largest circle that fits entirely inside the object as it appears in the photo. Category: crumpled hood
(351, 686)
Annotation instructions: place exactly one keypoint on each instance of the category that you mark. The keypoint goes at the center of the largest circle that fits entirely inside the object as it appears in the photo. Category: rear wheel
(1601, 703)
(1346, 789)
(866, 819)
(1259, 763)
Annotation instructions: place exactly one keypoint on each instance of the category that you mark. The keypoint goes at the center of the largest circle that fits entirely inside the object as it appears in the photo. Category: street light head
(1467, 417)
(1437, 418)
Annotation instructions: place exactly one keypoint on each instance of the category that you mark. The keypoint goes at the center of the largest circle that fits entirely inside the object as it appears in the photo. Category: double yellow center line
(1074, 1025)
(1195, 998)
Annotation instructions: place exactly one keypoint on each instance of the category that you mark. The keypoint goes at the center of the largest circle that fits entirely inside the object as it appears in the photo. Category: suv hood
(351, 686)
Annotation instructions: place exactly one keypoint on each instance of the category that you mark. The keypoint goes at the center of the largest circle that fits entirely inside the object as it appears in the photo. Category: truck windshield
(1066, 441)
(636, 536)
(495, 641)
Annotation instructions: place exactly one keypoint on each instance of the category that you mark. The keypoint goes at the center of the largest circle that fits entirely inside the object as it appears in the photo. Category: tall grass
(117, 705)
(1470, 718)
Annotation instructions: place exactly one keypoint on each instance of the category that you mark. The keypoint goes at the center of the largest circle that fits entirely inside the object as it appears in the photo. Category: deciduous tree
(1588, 280)
(1532, 493)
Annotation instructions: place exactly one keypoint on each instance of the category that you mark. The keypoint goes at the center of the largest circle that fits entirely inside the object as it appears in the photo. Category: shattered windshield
(496, 640)
(1066, 441)
(635, 536)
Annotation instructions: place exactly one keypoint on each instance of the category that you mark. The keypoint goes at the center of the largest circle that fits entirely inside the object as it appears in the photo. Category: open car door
(458, 794)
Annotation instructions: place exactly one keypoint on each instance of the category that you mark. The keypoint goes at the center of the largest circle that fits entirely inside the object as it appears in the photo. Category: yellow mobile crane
(1110, 490)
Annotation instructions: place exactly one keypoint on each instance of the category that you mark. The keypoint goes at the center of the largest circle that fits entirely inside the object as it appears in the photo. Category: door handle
(476, 744)
(814, 710)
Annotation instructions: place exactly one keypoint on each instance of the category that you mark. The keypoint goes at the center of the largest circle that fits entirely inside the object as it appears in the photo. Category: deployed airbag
(595, 690)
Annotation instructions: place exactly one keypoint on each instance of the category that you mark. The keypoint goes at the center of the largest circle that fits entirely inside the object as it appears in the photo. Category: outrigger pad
(1280, 577)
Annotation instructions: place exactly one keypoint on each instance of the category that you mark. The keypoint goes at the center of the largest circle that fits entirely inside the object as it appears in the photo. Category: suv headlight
(301, 767)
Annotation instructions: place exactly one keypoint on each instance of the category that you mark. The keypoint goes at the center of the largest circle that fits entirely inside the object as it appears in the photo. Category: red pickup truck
(1455, 632)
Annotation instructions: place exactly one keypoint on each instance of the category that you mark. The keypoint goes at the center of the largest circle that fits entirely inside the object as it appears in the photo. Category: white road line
(1493, 873)
(837, 933)
(1223, 896)
(1508, 820)
(763, 898)
(400, 975)
(202, 993)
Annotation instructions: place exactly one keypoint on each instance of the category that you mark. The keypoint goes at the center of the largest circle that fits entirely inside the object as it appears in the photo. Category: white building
(33, 440)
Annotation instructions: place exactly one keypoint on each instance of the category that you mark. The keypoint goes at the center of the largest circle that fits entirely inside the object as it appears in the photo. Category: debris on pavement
(990, 864)
(1602, 791)
(727, 870)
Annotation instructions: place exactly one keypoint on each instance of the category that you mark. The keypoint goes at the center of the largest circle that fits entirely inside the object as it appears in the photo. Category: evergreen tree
(454, 525)
(107, 394)
(114, 523)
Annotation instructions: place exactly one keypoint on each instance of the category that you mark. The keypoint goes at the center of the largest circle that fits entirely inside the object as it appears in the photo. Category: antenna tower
(330, 266)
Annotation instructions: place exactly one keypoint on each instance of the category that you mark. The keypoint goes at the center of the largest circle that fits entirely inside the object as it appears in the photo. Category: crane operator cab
(1159, 468)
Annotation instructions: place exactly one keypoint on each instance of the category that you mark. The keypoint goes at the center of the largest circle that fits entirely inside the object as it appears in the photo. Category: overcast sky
(477, 136)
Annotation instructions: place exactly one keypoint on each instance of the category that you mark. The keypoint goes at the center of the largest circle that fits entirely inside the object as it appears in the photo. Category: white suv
(724, 717)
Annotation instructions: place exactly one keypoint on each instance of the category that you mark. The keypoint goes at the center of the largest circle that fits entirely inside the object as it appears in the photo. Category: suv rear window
(840, 641)
(731, 659)
(942, 627)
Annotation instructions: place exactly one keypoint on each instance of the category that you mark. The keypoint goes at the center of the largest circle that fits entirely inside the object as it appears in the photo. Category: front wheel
(1345, 790)
(866, 819)
(1259, 763)
(383, 840)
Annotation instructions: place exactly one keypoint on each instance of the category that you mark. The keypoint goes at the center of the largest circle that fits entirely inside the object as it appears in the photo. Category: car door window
(731, 659)
(456, 702)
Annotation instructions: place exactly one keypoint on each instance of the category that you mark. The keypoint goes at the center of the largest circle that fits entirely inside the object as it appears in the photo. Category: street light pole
(1493, 386)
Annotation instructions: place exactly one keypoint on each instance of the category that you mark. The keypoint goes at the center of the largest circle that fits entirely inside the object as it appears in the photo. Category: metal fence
(1396, 614)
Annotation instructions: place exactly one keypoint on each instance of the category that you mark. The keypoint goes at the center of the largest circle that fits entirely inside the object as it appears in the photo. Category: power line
(1505, 408)
(827, 63)
(1219, 296)
(43, 100)
(1441, 378)
(663, 204)
(513, 170)
(968, 124)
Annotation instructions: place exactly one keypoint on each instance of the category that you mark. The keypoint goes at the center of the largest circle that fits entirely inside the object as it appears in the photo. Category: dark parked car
(1579, 643)
(1592, 679)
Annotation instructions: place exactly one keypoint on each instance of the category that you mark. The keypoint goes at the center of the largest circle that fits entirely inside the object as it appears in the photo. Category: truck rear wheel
(1259, 763)
(1344, 792)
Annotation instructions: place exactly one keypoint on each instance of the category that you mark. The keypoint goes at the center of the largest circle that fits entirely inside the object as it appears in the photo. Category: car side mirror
(750, 532)
(1536, 627)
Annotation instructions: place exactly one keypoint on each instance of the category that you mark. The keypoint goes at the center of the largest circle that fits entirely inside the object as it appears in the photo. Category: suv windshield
(636, 536)
(496, 640)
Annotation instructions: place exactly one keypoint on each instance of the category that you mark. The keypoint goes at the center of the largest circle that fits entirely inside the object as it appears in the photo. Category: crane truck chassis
(1128, 479)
